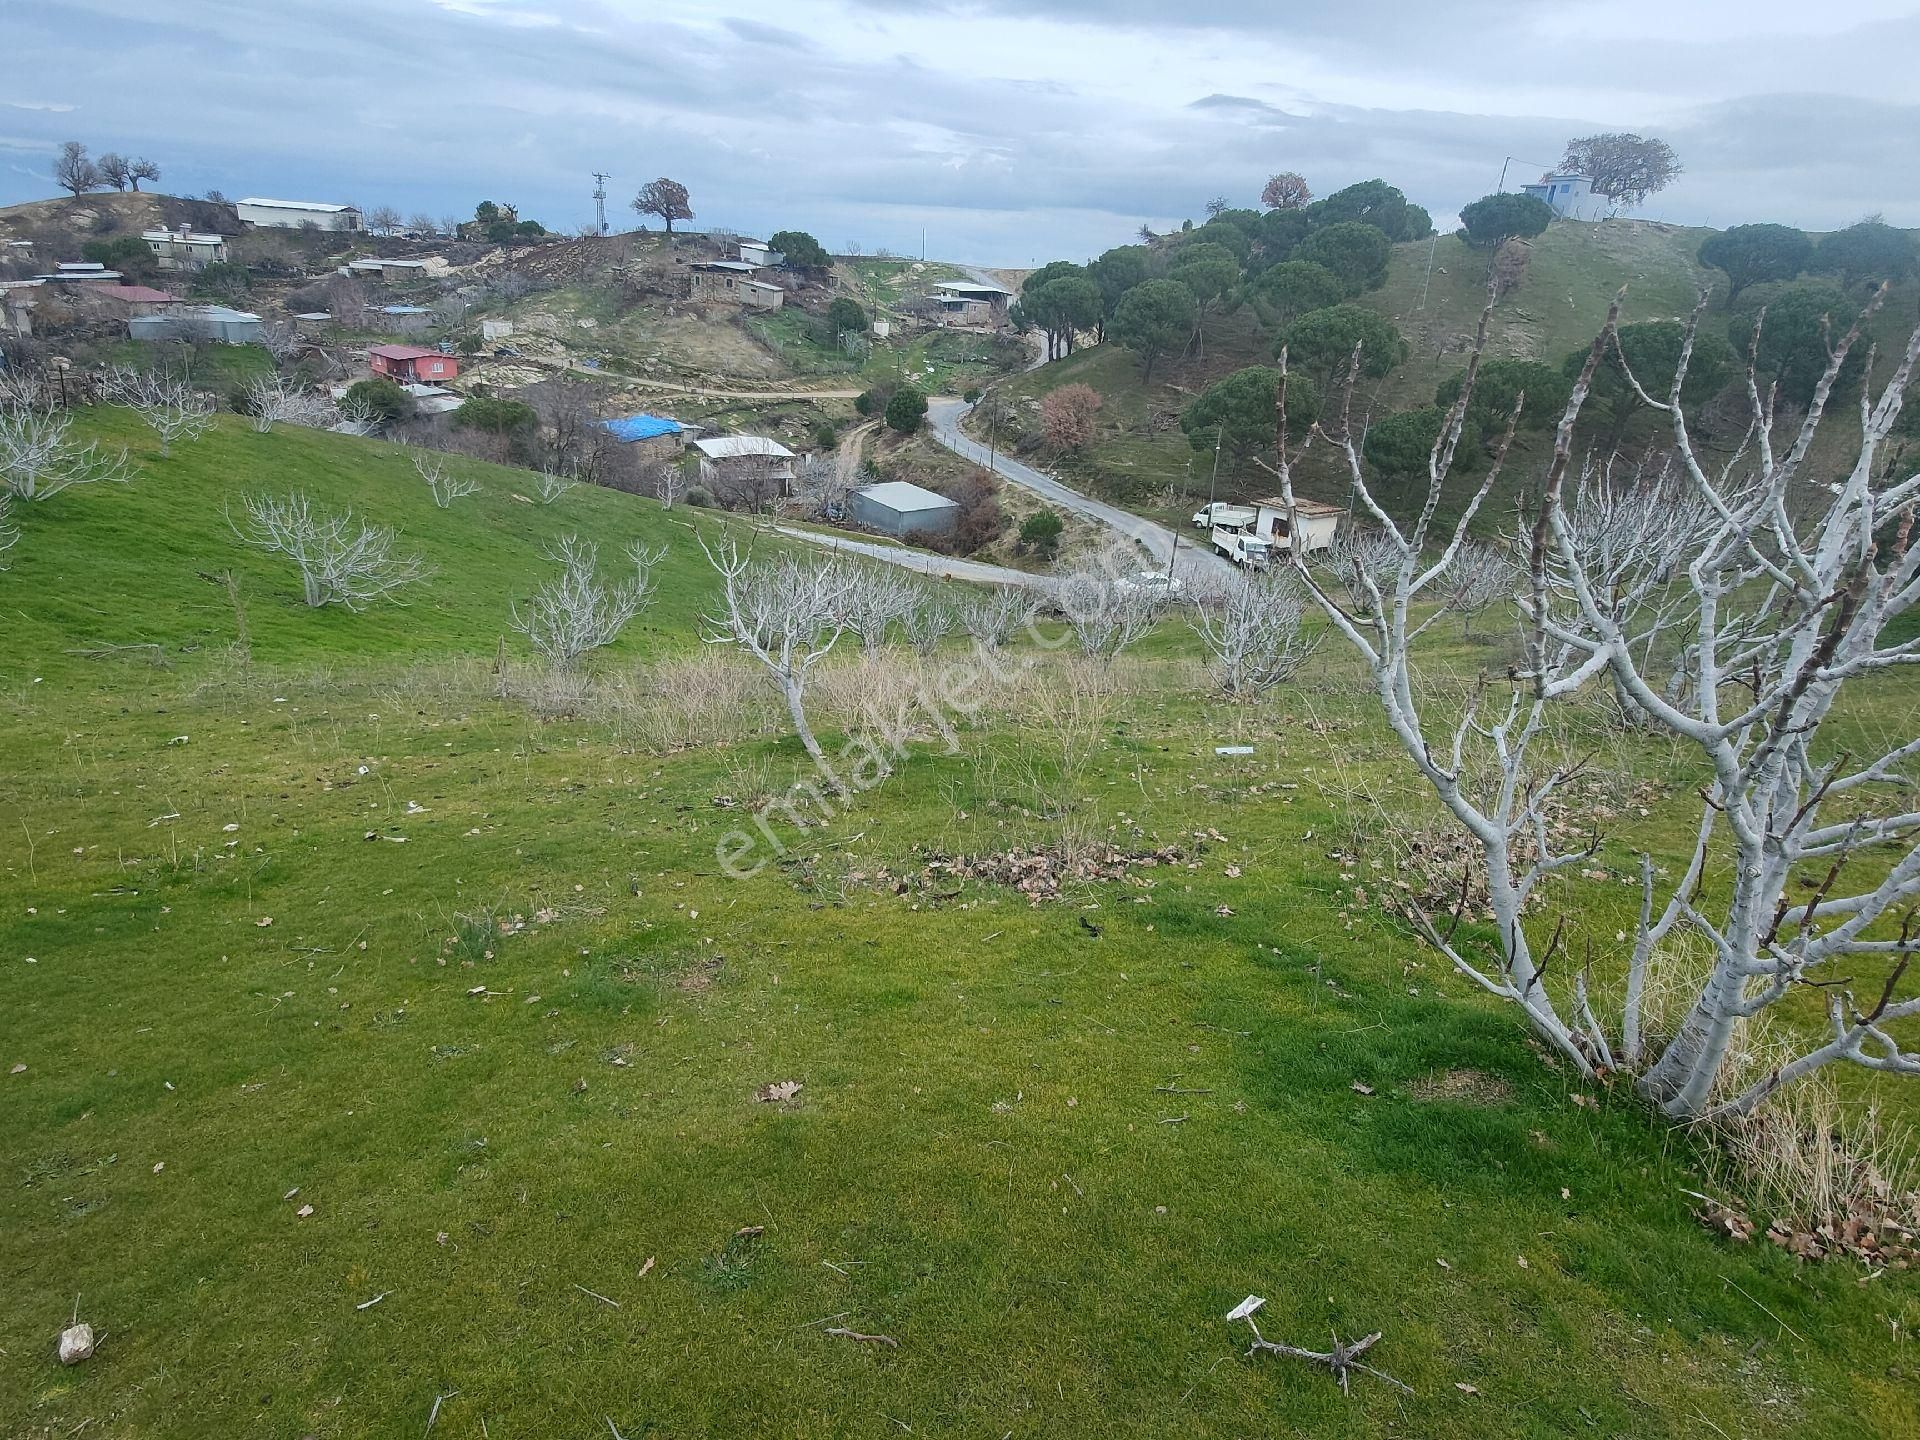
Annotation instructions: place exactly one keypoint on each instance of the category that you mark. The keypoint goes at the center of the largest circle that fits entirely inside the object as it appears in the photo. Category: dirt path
(943, 567)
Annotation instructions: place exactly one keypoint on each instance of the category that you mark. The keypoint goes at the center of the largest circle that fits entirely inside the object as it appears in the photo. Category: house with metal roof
(218, 323)
(978, 302)
(293, 214)
(745, 471)
(185, 249)
(897, 507)
(411, 364)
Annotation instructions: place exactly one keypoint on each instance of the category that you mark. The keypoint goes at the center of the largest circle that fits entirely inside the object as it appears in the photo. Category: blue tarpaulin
(642, 427)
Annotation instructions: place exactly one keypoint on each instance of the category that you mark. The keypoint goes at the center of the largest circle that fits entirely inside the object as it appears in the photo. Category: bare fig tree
(271, 401)
(171, 408)
(928, 621)
(339, 562)
(1773, 600)
(876, 597)
(1253, 627)
(9, 531)
(39, 456)
(1480, 577)
(1106, 615)
(788, 615)
(553, 486)
(995, 616)
(444, 486)
(576, 612)
(669, 485)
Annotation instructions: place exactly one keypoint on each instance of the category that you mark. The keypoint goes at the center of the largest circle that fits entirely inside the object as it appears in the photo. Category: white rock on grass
(76, 1344)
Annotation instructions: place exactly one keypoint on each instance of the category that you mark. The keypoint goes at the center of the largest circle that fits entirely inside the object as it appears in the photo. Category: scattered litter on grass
(369, 1304)
(304, 1211)
(778, 1091)
(1360, 1087)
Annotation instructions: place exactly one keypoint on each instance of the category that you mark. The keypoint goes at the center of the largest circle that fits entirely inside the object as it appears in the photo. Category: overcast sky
(1011, 131)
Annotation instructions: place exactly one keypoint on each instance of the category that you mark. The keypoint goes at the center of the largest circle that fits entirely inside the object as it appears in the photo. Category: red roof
(401, 352)
(141, 294)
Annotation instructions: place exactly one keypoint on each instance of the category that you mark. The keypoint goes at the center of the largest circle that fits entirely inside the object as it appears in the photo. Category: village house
(185, 250)
(648, 437)
(733, 280)
(745, 471)
(434, 399)
(496, 329)
(386, 269)
(292, 214)
(75, 272)
(134, 299)
(1571, 197)
(409, 364)
(899, 508)
(972, 302)
(758, 252)
(1318, 523)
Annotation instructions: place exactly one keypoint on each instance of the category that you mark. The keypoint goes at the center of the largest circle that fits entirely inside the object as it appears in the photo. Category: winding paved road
(1195, 562)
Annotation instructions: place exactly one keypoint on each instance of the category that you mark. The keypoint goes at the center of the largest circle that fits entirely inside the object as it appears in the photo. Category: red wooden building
(409, 364)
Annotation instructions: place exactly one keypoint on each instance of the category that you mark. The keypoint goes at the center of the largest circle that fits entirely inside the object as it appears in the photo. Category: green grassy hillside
(377, 1050)
(1434, 294)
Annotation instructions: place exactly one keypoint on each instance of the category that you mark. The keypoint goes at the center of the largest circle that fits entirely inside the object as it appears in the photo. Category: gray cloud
(1007, 136)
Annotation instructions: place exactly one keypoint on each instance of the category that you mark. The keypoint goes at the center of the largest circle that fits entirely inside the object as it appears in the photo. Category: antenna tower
(600, 202)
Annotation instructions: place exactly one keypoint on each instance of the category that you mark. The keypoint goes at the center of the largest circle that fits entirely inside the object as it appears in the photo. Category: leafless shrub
(574, 612)
(669, 484)
(339, 562)
(1253, 628)
(445, 486)
(788, 616)
(172, 409)
(39, 457)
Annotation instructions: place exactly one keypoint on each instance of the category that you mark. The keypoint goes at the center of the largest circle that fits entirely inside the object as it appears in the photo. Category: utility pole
(1213, 483)
(1429, 279)
(600, 202)
(1502, 188)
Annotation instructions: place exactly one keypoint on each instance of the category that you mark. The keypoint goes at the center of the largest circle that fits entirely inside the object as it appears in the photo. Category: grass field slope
(385, 1047)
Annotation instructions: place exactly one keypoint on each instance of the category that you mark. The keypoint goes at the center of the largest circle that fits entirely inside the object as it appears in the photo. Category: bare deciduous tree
(1776, 594)
(575, 612)
(39, 457)
(994, 617)
(444, 486)
(669, 484)
(383, 219)
(271, 400)
(1359, 560)
(9, 531)
(171, 408)
(1253, 628)
(928, 620)
(553, 485)
(1481, 576)
(113, 170)
(339, 562)
(1107, 615)
(140, 168)
(73, 171)
(875, 597)
(825, 481)
(788, 616)
(357, 416)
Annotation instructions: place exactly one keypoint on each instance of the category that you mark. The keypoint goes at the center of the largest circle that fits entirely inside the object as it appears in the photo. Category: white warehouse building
(292, 214)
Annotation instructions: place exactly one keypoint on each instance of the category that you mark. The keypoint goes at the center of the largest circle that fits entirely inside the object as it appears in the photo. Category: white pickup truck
(1220, 515)
(1246, 550)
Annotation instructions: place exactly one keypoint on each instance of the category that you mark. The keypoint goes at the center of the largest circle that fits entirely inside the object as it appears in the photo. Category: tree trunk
(797, 713)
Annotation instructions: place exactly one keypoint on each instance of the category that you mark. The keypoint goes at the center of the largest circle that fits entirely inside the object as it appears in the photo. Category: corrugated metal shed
(900, 508)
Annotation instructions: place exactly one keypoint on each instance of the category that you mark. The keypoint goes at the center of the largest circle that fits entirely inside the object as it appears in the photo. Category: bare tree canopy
(1253, 628)
(144, 169)
(73, 171)
(339, 562)
(114, 170)
(666, 198)
(1732, 605)
(576, 612)
(788, 615)
(1623, 167)
(39, 457)
(171, 408)
(1107, 615)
